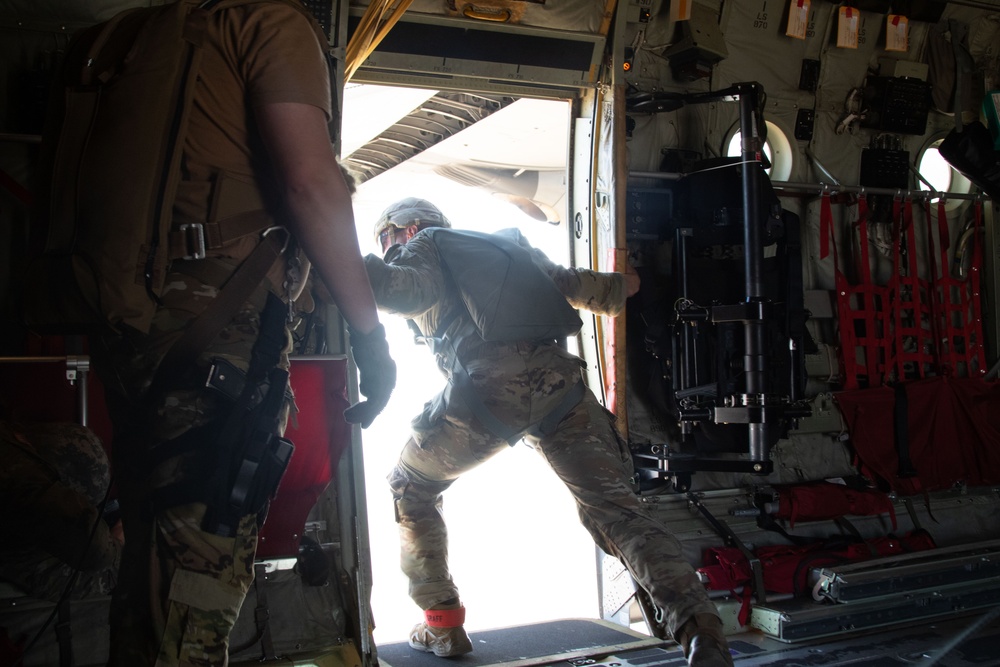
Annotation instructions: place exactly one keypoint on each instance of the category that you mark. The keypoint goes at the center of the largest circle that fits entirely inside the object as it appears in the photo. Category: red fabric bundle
(953, 433)
(824, 500)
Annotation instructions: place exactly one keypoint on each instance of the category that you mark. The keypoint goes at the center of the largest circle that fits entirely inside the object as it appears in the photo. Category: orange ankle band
(445, 618)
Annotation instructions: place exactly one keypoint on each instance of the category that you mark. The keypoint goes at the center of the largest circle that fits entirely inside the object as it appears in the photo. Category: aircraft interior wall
(755, 48)
(810, 89)
(684, 218)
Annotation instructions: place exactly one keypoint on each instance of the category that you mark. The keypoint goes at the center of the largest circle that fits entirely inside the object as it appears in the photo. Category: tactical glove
(377, 374)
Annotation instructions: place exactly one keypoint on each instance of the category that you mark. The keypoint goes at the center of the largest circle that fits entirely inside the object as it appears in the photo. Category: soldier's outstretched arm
(322, 219)
(319, 202)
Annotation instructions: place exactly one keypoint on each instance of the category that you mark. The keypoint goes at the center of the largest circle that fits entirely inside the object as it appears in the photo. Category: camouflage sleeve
(600, 293)
(409, 281)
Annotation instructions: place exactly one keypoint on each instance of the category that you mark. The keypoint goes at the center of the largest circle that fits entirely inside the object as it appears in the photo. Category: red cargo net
(912, 354)
(861, 307)
(957, 305)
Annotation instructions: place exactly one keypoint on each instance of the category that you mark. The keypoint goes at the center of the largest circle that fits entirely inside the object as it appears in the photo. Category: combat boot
(442, 633)
(704, 643)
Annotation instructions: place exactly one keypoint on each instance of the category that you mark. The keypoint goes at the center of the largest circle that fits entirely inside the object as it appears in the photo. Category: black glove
(377, 375)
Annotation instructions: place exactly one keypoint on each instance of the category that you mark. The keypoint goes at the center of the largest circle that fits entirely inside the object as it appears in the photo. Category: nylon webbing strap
(217, 234)
(911, 510)
(860, 307)
(873, 304)
(913, 351)
(957, 305)
(237, 290)
(901, 432)
(569, 401)
(262, 614)
(975, 349)
(466, 389)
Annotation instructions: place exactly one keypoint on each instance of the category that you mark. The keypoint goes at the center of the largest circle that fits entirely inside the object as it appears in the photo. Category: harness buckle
(194, 240)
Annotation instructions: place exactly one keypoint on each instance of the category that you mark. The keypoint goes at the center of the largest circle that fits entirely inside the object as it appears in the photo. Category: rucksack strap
(461, 381)
(243, 458)
(569, 401)
(192, 241)
(200, 333)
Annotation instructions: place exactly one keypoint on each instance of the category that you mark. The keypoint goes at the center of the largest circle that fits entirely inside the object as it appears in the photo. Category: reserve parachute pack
(111, 165)
(507, 292)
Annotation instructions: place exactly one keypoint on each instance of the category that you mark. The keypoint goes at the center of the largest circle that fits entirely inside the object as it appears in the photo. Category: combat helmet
(410, 211)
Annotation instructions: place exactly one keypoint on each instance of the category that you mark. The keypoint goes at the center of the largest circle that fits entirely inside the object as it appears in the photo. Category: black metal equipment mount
(755, 404)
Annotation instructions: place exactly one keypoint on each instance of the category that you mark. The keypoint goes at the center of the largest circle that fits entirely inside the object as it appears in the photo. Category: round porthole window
(777, 149)
(942, 177)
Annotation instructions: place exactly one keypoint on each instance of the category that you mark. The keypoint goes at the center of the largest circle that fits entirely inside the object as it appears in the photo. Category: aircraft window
(776, 147)
(941, 175)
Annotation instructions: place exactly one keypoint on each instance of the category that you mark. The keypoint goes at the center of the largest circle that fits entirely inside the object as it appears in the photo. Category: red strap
(861, 308)
(957, 308)
(913, 352)
(20, 192)
(975, 350)
(828, 241)
(872, 302)
(445, 618)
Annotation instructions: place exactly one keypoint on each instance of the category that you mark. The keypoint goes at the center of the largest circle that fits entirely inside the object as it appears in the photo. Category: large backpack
(110, 172)
(507, 294)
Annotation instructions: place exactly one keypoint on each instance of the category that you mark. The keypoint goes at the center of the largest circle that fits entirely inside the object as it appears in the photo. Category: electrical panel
(884, 168)
(884, 164)
(896, 104)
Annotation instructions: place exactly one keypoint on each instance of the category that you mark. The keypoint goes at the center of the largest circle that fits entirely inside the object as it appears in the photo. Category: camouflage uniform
(521, 382)
(53, 479)
(180, 588)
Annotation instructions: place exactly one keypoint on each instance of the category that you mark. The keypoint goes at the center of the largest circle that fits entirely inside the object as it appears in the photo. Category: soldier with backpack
(183, 212)
(491, 307)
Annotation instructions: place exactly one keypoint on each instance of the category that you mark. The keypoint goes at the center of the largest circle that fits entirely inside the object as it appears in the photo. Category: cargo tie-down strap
(913, 327)
(957, 305)
(861, 307)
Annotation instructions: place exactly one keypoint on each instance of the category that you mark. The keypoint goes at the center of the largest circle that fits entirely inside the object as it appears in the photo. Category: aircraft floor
(599, 644)
(537, 644)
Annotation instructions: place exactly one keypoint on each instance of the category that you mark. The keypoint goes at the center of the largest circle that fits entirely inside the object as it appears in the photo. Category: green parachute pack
(507, 293)
(509, 296)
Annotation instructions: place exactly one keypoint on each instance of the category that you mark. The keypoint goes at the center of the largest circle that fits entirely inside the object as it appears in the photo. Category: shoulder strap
(207, 326)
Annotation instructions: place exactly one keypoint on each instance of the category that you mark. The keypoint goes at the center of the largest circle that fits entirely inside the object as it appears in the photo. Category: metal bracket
(194, 240)
(723, 529)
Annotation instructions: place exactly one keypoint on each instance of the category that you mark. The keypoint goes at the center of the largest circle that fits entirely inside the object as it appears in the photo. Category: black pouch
(270, 469)
(971, 153)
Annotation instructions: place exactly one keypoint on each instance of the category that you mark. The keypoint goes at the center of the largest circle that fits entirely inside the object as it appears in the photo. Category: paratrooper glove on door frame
(377, 373)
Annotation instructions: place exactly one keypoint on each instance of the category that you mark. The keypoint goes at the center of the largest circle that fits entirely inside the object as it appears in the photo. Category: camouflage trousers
(521, 383)
(180, 588)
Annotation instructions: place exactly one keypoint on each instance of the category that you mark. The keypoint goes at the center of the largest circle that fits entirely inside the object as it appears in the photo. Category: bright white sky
(517, 549)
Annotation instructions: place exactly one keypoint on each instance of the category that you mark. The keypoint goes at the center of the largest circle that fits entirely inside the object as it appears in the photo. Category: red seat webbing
(957, 306)
(913, 353)
(861, 308)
